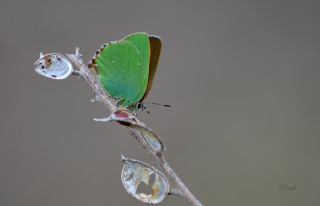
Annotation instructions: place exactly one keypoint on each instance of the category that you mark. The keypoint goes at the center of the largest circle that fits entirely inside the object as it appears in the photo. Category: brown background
(242, 76)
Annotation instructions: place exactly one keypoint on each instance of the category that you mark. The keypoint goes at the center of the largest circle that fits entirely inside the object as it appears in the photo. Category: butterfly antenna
(158, 104)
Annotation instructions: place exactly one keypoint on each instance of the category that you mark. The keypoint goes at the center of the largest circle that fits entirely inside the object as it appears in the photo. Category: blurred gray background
(242, 77)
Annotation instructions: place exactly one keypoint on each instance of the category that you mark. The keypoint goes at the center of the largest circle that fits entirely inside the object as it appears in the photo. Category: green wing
(153, 55)
(123, 68)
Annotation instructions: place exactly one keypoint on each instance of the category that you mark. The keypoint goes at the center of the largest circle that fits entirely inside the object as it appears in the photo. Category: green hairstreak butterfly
(53, 66)
(126, 68)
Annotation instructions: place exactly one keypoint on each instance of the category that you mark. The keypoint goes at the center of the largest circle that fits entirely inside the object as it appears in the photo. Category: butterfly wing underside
(123, 68)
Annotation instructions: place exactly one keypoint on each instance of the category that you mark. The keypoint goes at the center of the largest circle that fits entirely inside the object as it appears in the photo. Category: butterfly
(126, 68)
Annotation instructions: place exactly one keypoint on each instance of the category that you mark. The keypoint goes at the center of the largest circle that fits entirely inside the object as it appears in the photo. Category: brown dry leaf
(135, 172)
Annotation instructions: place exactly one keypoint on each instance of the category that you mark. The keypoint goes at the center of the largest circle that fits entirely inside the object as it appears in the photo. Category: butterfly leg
(119, 101)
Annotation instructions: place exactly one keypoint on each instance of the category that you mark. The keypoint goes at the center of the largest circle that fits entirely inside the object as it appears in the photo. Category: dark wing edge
(92, 63)
(155, 50)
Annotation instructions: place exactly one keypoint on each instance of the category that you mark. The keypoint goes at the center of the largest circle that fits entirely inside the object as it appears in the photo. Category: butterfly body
(126, 67)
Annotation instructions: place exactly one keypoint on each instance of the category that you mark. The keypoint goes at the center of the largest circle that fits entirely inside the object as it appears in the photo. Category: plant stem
(179, 189)
(180, 186)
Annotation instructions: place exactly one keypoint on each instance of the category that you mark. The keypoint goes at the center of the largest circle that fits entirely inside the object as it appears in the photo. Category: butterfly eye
(139, 105)
(42, 67)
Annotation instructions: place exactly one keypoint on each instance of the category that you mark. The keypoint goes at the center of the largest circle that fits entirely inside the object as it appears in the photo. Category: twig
(179, 188)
